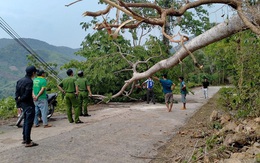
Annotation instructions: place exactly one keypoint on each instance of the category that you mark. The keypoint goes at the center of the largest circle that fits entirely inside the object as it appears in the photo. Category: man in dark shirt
(24, 100)
(205, 85)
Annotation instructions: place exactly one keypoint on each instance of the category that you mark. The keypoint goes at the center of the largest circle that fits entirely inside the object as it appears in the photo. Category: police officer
(67, 87)
(82, 86)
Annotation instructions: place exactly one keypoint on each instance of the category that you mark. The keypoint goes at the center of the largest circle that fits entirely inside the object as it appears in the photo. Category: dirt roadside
(190, 138)
(117, 132)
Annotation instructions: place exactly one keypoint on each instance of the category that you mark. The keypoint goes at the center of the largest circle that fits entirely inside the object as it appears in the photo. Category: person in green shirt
(82, 86)
(40, 99)
(67, 87)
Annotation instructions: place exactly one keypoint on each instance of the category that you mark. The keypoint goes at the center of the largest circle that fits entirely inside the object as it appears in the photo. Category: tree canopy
(165, 15)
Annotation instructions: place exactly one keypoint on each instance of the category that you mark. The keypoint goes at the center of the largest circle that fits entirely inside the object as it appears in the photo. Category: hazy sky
(47, 20)
(51, 21)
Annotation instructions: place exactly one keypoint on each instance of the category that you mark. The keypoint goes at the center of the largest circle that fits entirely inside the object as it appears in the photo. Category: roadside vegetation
(233, 61)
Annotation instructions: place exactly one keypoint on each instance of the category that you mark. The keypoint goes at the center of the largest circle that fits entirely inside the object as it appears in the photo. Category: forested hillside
(13, 60)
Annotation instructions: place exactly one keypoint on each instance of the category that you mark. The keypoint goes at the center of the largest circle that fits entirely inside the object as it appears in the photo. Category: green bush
(227, 97)
(8, 108)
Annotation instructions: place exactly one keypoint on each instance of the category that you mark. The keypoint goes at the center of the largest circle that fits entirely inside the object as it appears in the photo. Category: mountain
(13, 60)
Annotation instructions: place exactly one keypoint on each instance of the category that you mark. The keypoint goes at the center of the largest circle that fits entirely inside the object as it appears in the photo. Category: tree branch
(133, 13)
(246, 21)
(125, 7)
(213, 35)
(73, 3)
(145, 5)
(127, 26)
(97, 13)
(120, 52)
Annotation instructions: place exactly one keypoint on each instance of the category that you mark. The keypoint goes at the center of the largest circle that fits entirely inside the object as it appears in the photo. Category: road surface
(117, 133)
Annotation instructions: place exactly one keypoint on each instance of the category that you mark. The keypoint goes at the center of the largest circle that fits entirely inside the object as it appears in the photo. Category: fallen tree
(248, 17)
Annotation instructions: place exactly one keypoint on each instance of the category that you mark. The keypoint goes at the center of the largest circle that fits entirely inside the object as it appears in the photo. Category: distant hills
(13, 60)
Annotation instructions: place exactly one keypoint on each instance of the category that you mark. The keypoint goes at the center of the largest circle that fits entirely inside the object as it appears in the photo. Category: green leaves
(195, 22)
(8, 108)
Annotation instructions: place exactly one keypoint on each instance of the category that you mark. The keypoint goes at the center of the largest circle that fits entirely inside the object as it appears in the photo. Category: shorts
(183, 98)
(168, 97)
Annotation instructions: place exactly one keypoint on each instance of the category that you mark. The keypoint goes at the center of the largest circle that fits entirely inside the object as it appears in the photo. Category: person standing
(24, 100)
(40, 99)
(183, 91)
(205, 85)
(67, 87)
(82, 85)
(150, 93)
(167, 85)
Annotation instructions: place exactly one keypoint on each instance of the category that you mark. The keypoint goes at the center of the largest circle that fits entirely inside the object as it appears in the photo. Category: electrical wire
(22, 42)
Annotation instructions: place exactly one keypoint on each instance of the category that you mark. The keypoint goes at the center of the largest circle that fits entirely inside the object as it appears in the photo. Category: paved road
(118, 133)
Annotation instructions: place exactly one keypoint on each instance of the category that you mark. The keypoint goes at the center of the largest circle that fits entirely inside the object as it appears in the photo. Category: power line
(21, 41)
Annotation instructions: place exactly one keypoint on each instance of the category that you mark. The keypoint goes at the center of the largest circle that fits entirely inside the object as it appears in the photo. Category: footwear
(24, 142)
(79, 121)
(36, 125)
(32, 144)
(183, 108)
(86, 115)
(46, 126)
(72, 121)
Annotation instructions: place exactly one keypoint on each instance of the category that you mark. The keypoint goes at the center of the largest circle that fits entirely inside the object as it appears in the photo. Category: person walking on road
(167, 85)
(67, 87)
(83, 87)
(40, 99)
(24, 100)
(205, 85)
(150, 93)
(183, 91)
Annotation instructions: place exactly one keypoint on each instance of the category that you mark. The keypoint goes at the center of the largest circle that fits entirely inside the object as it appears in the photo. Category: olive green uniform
(82, 84)
(71, 100)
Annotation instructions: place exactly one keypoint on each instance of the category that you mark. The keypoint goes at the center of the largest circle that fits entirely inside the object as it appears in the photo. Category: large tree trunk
(167, 28)
(215, 34)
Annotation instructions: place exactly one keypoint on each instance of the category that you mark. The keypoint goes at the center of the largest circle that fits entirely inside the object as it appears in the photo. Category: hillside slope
(13, 60)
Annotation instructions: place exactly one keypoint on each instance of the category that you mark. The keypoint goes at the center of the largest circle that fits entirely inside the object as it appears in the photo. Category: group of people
(30, 95)
(168, 86)
(75, 92)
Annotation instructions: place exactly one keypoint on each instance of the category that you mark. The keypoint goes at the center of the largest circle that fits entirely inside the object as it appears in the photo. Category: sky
(47, 20)
(52, 22)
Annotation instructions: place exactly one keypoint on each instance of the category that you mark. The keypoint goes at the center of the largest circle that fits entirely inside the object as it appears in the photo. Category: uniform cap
(80, 73)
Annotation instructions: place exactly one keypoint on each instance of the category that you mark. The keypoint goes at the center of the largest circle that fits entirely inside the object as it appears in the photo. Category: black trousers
(150, 95)
(29, 113)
